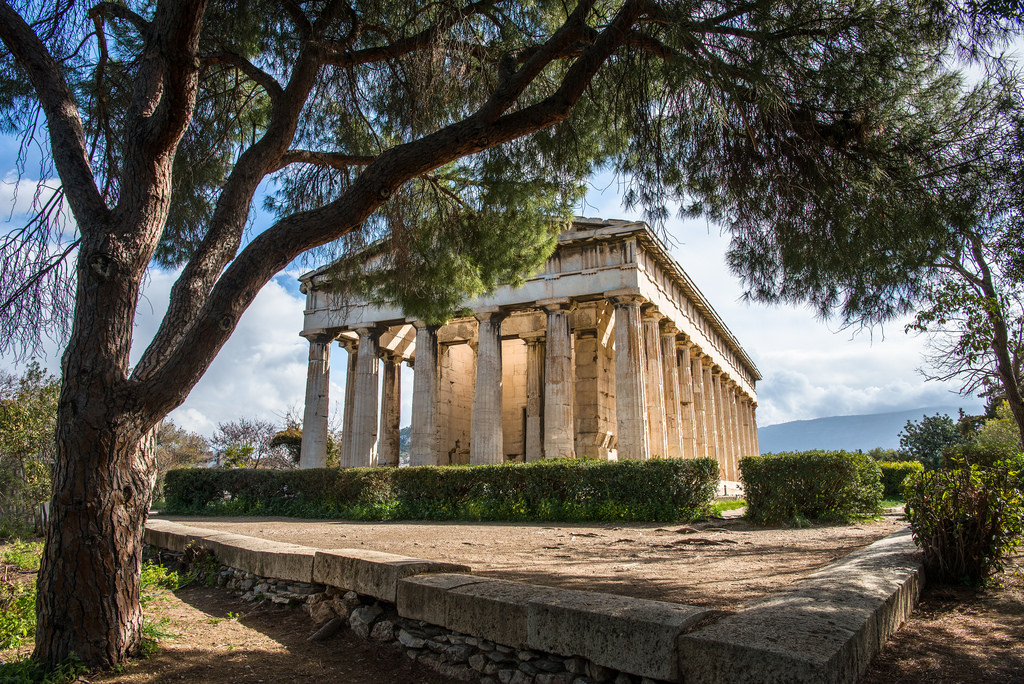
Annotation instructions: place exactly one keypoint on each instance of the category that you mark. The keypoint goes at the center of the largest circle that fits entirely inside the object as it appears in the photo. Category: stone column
(753, 427)
(729, 424)
(711, 415)
(721, 448)
(670, 374)
(313, 453)
(423, 450)
(653, 368)
(559, 430)
(630, 385)
(534, 397)
(348, 427)
(485, 442)
(739, 418)
(364, 414)
(700, 412)
(391, 411)
(687, 414)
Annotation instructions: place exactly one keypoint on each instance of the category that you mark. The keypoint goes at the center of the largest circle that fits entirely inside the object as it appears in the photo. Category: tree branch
(334, 160)
(258, 76)
(336, 53)
(117, 11)
(67, 136)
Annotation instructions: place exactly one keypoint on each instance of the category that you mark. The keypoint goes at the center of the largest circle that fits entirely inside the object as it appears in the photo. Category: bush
(817, 485)
(966, 519)
(552, 490)
(893, 475)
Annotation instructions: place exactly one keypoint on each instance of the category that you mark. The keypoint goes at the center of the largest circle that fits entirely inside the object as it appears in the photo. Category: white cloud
(260, 372)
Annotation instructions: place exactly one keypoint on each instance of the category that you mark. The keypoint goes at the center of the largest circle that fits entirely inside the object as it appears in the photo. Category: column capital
(535, 337)
(668, 328)
(557, 304)
(321, 335)
(625, 297)
(421, 324)
(650, 312)
(348, 343)
(370, 330)
(491, 313)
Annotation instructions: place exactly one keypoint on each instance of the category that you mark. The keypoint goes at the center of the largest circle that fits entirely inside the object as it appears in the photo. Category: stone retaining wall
(826, 629)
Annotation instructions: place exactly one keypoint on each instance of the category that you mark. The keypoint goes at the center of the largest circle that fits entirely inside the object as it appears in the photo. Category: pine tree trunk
(88, 600)
(89, 587)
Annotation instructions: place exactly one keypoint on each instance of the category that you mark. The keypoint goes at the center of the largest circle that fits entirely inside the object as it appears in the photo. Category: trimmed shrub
(893, 475)
(574, 490)
(817, 485)
(967, 519)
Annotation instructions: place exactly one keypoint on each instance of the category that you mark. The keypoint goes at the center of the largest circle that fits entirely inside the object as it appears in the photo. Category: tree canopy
(450, 138)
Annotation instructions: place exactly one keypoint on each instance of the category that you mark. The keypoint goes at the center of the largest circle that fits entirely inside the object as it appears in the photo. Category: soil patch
(955, 635)
(958, 635)
(720, 564)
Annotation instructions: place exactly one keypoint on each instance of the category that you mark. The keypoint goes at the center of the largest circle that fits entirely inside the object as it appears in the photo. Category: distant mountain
(844, 432)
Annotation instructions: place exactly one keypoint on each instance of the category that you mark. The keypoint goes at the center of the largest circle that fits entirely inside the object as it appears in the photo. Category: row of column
(670, 399)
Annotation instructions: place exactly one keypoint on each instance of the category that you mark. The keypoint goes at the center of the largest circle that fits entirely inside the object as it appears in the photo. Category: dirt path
(958, 635)
(718, 564)
(954, 636)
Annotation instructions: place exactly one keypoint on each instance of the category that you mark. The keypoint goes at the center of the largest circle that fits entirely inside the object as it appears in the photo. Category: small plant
(967, 520)
(156, 576)
(152, 634)
(17, 613)
(24, 555)
(720, 507)
(26, 671)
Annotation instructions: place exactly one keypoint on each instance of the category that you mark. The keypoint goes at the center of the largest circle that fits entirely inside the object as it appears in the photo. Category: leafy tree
(955, 260)
(1000, 433)
(923, 440)
(176, 448)
(452, 136)
(28, 417)
(250, 443)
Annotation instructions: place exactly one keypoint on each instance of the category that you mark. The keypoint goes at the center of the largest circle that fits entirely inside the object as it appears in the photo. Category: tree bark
(89, 586)
(1000, 337)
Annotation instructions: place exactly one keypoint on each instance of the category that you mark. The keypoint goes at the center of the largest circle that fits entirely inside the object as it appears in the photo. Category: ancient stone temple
(610, 352)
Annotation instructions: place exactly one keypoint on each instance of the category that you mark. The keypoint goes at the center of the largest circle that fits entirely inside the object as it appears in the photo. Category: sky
(810, 367)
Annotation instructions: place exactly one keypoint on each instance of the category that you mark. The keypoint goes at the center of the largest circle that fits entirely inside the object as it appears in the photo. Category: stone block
(494, 609)
(262, 557)
(373, 573)
(423, 597)
(170, 535)
(617, 632)
(826, 629)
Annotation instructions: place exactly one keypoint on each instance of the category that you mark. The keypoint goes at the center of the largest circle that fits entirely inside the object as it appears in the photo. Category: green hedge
(556, 490)
(817, 485)
(893, 475)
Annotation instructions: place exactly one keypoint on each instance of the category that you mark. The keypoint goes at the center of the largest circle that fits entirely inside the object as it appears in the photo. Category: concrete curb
(826, 629)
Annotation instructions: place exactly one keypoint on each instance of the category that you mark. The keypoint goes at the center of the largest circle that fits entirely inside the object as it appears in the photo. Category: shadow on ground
(221, 639)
